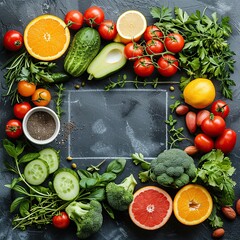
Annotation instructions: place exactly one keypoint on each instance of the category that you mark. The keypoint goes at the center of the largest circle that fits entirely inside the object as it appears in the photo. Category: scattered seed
(77, 86)
(69, 158)
(74, 165)
(171, 88)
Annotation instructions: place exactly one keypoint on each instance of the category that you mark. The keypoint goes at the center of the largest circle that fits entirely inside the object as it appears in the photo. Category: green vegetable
(83, 49)
(206, 52)
(87, 217)
(109, 60)
(119, 196)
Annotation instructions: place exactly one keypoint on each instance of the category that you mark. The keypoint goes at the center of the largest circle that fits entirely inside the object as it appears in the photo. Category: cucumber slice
(51, 156)
(36, 172)
(66, 184)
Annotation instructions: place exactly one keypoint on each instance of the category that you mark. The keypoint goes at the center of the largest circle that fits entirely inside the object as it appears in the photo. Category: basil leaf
(116, 166)
(24, 208)
(97, 194)
(16, 202)
(88, 182)
(28, 157)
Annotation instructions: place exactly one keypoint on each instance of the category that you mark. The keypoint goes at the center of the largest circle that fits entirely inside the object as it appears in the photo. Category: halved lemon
(46, 37)
(131, 25)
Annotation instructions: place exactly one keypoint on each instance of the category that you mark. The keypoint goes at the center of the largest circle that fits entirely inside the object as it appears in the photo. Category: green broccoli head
(173, 168)
(87, 216)
(119, 196)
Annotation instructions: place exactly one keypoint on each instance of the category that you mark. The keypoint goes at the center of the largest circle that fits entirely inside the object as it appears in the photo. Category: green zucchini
(83, 49)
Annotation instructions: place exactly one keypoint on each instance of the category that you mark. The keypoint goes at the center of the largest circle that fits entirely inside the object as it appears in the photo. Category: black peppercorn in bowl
(41, 125)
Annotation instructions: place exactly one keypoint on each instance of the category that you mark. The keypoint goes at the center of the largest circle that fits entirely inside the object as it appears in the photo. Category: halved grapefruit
(151, 207)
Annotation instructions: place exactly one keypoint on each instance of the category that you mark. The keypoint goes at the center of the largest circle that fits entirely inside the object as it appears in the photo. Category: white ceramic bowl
(42, 128)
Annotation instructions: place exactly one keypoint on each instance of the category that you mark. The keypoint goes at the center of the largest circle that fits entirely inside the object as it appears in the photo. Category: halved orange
(46, 37)
(151, 207)
(131, 25)
(192, 204)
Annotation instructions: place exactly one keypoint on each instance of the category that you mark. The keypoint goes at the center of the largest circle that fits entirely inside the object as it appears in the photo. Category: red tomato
(167, 65)
(41, 97)
(108, 30)
(152, 32)
(61, 221)
(74, 19)
(226, 141)
(14, 128)
(143, 67)
(154, 46)
(93, 16)
(25, 88)
(203, 143)
(13, 40)
(213, 126)
(220, 108)
(20, 109)
(174, 42)
(133, 50)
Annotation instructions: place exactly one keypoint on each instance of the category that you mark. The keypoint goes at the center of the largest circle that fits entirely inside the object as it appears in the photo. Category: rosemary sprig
(59, 99)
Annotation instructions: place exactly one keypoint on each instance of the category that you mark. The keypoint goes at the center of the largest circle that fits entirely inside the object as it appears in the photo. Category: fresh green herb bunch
(206, 52)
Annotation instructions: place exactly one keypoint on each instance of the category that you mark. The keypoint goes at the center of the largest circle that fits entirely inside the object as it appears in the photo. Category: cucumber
(51, 157)
(108, 61)
(83, 49)
(66, 184)
(36, 172)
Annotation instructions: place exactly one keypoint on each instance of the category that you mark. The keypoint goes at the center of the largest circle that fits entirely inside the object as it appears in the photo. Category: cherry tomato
(203, 142)
(14, 128)
(152, 32)
(61, 221)
(13, 40)
(93, 16)
(143, 67)
(74, 19)
(220, 108)
(41, 97)
(25, 88)
(226, 141)
(174, 42)
(167, 65)
(108, 30)
(213, 126)
(20, 109)
(154, 46)
(133, 50)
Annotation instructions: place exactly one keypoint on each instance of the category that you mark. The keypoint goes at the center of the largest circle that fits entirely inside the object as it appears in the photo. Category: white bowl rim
(39, 109)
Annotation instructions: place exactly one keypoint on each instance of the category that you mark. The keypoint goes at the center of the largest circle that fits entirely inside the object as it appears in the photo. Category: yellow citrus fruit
(46, 37)
(131, 25)
(199, 93)
(192, 204)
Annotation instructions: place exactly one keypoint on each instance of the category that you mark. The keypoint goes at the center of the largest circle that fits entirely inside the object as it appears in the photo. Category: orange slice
(192, 204)
(46, 37)
(151, 207)
(131, 25)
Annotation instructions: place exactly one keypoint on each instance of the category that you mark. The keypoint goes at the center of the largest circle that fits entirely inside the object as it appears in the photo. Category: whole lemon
(199, 93)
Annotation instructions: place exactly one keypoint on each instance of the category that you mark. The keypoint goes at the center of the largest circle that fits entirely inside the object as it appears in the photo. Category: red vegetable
(152, 32)
(174, 42)
(220, 108)
(74, 19)
(61, 221)
(167, 65)
(13, 128)
(20, 109)
(133, 50)
(143, 67)
(204, 143)
(108, 30)
(13, 40)
(93, 16)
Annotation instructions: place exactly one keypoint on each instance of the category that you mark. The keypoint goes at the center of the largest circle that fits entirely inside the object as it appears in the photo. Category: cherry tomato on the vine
(61, 220)
(13, 40)
(143, 67)
(41, 97)
(226, 141)
(167, 65)
(174, 42)
(133, 50)
(13, 128)
(25, 88)
(154, 47)
(108, 30)
(152, 32)
(93, 16)
(220, 108)
(203, 142)
(213, 125)
(74, 19)
(20, 109)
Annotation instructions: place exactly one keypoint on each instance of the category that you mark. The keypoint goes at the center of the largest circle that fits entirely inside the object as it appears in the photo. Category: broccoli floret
(87, 216)
(119, 196)
(178, 166)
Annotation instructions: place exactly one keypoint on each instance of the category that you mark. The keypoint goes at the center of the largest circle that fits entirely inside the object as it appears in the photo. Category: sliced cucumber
(51, 156)
(36, 172)
(66, 184)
